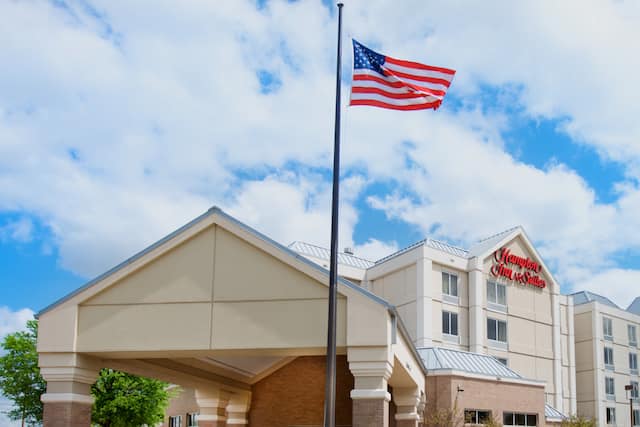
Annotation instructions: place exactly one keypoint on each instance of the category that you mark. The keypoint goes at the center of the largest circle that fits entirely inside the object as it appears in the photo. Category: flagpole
(330, 384)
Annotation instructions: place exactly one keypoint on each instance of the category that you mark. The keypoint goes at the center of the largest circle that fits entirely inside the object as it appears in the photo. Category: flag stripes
(382, 81)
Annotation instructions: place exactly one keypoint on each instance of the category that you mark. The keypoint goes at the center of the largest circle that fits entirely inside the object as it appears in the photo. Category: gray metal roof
(552, 413)
(483, 245)
(634, 307)
(323, 253)
(438, 358)
(432, 243)
(585, 297)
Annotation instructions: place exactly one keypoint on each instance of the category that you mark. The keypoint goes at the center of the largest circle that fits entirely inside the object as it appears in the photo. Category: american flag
(386, 82)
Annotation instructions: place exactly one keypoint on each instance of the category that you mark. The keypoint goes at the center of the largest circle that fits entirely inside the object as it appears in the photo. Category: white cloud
(13, 321)
(619, 285)
(20, 230)
(113, 135)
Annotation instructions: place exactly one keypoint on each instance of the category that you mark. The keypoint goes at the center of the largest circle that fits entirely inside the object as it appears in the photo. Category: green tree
(576, 421)
(124, 400)
(120, 399)
(20, 378)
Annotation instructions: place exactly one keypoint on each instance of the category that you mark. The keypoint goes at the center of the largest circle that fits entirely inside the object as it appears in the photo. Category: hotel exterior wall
(294, 394)
(540, 331)
(590, 367)
(484, 394)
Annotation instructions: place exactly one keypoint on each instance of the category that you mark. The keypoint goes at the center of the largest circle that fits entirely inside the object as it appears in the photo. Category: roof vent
(348, 251)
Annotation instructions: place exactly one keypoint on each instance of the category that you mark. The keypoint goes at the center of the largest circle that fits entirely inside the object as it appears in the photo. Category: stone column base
(406, 423)
(66, 414)
(370, 413)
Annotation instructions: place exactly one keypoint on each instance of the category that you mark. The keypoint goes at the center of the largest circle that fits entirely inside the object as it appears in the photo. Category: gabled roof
(200, 219)
(585, 297)
(486, 244)
(323, 253)
(432, 243)
(438, 358)
(634, 307)
(552, 414)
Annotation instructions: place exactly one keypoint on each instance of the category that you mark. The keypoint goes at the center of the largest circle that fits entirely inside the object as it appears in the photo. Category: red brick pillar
(238, 409)
(66, 414)
(370, 412)
(370, 396)
(407, 402)
(213, 407)
(68, 400)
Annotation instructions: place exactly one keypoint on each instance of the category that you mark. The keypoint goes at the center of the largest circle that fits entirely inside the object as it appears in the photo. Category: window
(496, 293)
(634, 389)
(474, 416)
(633, 338)
(449, 323)
(610, 387)
(608, 358)
(607, 328)
(502, 360)
(192, 420)
(175, 421)
(449, 284)
(633, 363)
(611, 415)
(636, 417)
(497, 330)
(515, 419)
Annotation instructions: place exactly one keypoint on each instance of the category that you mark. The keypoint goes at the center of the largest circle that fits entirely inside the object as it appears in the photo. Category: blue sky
(120, 122)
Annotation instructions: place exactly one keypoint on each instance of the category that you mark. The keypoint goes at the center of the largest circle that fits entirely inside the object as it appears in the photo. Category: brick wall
(496, 396)
(294, 394)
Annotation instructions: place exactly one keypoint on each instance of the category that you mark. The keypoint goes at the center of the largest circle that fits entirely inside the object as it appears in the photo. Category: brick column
(407, 401)
(68, 400)
(370, 396)
(213, 407)
(238, 409)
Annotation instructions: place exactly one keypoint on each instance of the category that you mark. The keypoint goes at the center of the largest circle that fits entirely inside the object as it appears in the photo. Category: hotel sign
(516, 268)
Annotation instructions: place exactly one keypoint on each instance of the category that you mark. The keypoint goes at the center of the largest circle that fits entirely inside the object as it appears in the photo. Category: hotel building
(496, 298)
(239, 322)
(606, 341)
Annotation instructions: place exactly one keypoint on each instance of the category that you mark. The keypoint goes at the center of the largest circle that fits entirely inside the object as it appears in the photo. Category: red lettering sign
(502, 268)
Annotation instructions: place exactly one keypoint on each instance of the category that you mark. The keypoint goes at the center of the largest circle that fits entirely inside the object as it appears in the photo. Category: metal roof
(552, 413)
(634, 307)
(323, 253)
(438, 358)
(432, 243)
(487, 243)
(585, 297)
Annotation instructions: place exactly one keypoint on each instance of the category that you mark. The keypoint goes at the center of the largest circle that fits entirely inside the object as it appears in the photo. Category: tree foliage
(576, 421)
(20, 379)
(121, 400)
(125, 400)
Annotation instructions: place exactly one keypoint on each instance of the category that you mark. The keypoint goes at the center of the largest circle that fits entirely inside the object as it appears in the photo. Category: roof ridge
(327, 249)
(447, 243)
(509, 230)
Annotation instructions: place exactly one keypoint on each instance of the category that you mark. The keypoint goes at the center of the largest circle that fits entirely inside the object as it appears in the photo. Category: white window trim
(457, 322)
(450, 299)
(499, 308)
(457, 297)
(610, 336)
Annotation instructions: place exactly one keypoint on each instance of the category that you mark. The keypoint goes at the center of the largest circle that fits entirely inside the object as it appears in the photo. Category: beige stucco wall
(590, 369)
(225, 291)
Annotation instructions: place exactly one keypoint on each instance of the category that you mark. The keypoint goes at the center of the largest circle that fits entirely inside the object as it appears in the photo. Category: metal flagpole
(330, 384)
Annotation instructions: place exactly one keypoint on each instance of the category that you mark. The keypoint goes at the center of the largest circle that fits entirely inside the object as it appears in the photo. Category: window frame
(633, 363)
(450, 315)
(192, 419)
(497, 342)
(636, 417)
(607, 321)
(634, 392)
(447, 296)
(175, 418)
(609, 366)
(610, 415)
(513, 415)
(496, 304)
(486, 412)
(633, 338)
(612, 381)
